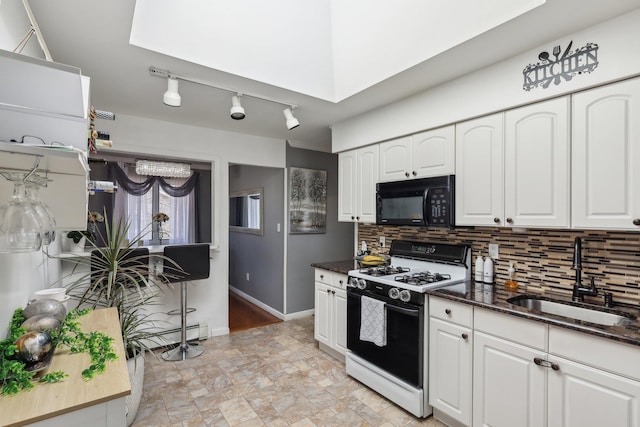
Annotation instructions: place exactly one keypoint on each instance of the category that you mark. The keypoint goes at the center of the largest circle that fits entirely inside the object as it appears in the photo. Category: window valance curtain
(141, 188)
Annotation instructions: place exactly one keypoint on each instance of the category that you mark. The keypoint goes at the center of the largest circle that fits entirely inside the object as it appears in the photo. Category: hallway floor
(273, 375)
(244, 315)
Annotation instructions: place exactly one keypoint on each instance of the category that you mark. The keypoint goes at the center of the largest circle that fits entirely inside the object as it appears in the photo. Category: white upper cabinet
(479, 172)
(43, 99)
(395, 160)
(425, 154)
(357, 178)
(433, 152)
(606, 157)
(347, 173)
(536, 165)
(512, 168)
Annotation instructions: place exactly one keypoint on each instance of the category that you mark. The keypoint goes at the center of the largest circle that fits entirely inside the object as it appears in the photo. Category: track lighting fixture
(171, 96)
(237, 112)
(292, 122)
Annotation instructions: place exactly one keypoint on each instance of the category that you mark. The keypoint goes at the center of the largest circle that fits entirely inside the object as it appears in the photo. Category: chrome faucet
(579, 291)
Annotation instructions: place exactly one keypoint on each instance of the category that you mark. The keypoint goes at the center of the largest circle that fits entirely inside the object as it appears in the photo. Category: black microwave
(419, 202)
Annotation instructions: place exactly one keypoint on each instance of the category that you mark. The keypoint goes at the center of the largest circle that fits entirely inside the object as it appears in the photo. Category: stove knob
(353, 282)
(362, 284)
(405, 295)
(394, 293)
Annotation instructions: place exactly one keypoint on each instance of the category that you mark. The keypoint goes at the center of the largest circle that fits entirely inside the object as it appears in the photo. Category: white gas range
(393, 360)
(418, 267)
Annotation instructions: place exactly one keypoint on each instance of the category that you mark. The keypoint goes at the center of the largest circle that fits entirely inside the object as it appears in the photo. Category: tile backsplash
(543, 258)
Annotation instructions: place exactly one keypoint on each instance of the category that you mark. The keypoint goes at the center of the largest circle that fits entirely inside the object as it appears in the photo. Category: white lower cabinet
(330, 323)
(450, 360)
(527, 373)
(450, 369)
(508, 388)
(596, 383)
(582, 396)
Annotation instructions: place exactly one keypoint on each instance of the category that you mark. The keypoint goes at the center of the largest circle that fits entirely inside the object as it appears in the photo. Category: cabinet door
(322, 314)
(340, 320)
(509, 389)
(347, 176)
(395, 160)
(581, 396)
(367, 178)
(450, 363)
(433, 153)
(479, 176)
(536, 165)
(606, 157)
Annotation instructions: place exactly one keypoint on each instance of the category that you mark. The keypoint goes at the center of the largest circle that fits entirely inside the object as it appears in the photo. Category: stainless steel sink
(566, 309)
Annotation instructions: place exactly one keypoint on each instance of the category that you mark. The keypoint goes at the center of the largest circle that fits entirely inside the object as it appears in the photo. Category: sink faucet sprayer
(580, 291)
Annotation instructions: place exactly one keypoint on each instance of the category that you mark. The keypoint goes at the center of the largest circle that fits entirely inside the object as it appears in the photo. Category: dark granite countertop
(495, 297)
(342, 267)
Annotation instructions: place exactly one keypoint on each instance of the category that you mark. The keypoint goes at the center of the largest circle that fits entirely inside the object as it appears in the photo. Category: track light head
(237, 112)
(171, 97)
(292, 122)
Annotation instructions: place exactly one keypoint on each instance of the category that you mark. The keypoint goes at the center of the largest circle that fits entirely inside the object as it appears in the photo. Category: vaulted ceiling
(335, 59)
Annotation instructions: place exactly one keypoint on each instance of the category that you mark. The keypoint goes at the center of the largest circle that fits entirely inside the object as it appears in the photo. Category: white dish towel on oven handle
(373, 321)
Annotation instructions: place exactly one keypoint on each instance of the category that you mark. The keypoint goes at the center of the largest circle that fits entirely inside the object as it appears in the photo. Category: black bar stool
(194, 265)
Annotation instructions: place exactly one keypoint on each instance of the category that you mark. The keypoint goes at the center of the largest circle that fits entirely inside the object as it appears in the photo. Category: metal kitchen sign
(560, 65)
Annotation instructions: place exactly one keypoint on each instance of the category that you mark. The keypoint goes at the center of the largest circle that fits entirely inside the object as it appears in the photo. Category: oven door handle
(407, 311)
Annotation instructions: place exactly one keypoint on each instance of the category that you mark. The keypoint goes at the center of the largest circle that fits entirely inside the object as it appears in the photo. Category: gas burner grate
(422, 278)
(384, 270)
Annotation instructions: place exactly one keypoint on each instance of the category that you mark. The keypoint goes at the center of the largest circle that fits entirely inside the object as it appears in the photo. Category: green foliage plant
(116, 279)
(77, 235)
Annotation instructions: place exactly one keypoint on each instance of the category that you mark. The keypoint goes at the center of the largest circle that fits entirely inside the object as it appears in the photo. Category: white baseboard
(269, 309)
(256, 302)
(299, 314)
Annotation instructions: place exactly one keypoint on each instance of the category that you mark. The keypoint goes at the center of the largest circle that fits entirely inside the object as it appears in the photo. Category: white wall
(141, 135)
(496, 88)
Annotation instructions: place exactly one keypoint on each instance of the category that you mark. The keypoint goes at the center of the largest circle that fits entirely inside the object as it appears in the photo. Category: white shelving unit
(67, 170)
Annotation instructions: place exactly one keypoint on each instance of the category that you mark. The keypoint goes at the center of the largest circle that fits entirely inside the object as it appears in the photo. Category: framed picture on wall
(307, 201)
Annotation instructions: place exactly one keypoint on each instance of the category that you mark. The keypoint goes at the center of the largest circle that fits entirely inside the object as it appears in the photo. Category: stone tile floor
(274, 375)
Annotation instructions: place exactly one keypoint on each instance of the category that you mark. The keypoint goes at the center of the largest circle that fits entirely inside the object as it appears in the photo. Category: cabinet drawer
(324, 276)
(522, 331)
(451, 311)
(609, 355)
(340, 281)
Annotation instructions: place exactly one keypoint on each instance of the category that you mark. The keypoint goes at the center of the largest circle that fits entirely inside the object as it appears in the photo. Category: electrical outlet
(494, 251)
(248, 277)
(383, 241)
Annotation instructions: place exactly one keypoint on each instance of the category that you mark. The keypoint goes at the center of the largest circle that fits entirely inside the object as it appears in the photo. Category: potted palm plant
(115, 278)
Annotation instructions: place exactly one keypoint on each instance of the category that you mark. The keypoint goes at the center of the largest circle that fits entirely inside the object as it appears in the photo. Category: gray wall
(303, 249)
(260, 256)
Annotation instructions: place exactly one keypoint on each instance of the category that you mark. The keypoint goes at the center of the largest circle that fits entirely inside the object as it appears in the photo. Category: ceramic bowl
(53, 293)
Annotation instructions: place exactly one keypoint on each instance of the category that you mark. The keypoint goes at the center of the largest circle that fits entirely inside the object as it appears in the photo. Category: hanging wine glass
(46, 219)
(21, 229)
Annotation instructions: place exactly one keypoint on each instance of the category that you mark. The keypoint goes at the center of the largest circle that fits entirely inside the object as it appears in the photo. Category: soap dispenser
(479, 271)
(511, 284)
(488, 270)
(363, 248)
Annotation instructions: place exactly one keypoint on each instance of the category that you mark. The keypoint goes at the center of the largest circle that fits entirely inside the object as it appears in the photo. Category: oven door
(403, 354)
